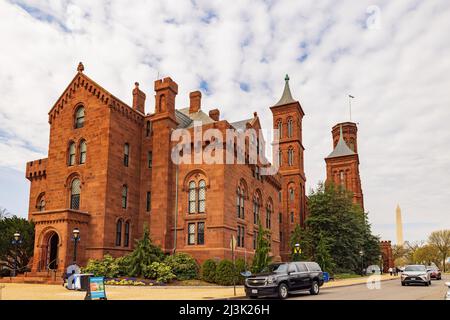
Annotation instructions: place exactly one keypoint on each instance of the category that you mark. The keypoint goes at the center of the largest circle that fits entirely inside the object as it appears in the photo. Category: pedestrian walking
(390, 271)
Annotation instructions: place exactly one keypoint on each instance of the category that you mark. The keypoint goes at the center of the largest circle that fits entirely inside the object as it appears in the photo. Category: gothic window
(342, 178)
(119, 232)
(280, 157)
(192, 197)
(41, 203)
(71, 159)
(291, 157)
(79, 117)
(292, 217)
(256, 209)
(126, 240)
(191, 233)
(75, 191)
(124, 196)
(238, 202)
(126, 154)
(291, 194)
(280, 129)
(201, 196)
(83, 151)
(289, 128)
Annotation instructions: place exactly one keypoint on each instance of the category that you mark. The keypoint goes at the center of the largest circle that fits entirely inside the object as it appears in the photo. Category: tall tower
(287, 120)
(399, 225)
(343, 163)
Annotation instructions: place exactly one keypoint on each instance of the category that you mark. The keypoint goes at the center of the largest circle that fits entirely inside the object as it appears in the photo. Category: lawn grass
(346, 276)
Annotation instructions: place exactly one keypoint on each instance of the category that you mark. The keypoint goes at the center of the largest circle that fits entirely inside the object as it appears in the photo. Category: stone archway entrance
(49, 253)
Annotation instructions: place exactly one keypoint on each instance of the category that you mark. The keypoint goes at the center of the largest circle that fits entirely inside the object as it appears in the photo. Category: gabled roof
(241, 125)
(195, 116)
(341, 148)
(286, 98)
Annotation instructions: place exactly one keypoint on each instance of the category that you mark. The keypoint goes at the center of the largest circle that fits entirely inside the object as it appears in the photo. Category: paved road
(390, 290)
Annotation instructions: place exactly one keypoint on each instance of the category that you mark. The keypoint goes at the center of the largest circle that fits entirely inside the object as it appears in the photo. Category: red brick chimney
(214, 114)
(138, 99)
(195, 101)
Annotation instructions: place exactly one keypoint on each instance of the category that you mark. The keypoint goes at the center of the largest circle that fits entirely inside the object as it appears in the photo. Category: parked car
(280, 279)
(415, 274)
(435, 273)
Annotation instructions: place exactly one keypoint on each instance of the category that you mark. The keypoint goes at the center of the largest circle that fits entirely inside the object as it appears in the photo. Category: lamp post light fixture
(361, 254)
(75, 238)
(15, 242)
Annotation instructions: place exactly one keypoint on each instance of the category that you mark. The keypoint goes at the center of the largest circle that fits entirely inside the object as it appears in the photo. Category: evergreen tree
(261, 258)
(144, 255)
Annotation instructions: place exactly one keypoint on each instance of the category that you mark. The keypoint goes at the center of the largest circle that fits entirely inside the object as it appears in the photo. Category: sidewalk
(19, 291)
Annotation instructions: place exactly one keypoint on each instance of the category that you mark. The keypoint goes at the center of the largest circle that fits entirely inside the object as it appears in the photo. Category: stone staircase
(44, 277)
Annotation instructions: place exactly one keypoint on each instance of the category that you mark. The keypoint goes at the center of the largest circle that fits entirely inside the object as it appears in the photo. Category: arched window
(72, 150)
(256, 209)
(41, 203)
(290, 128)
(79, 117)
(192, 197)
(291, 157)
(148, 129)
(240, 194)
(342, 178)
(291, 194)
(280, 158)
(126, 154)
(280, 129)
(75, 191)
(124, 196)
(119, 232)
(126, 240)
(201, 196)
(83, 151)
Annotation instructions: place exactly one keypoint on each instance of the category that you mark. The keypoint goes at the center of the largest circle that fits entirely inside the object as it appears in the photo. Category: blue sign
(97, 287)
(326, 276)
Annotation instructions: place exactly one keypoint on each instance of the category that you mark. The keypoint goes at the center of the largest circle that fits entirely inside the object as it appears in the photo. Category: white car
(416, 274)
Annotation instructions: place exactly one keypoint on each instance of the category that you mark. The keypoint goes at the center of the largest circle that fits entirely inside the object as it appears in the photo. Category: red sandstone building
(109, 172)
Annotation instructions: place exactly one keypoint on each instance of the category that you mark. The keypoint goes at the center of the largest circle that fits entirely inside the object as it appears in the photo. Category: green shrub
(241, 266)
(209, 270)
(159, 271)
(225, 273)
(183, 266)
(107, 267)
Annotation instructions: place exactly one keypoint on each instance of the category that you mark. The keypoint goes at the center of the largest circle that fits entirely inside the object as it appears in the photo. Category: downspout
(176, 210)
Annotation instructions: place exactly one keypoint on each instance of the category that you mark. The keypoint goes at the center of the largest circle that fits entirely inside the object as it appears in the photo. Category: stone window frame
(71, 153)
(126, 233)
(81, 152)
(290, 127)
(40, 202)
(119, 226)
(74, 196)
(241, 196)
(148, 129)
(280, 128)
(269, 212)
(290, 156)
(192, 186)
(126, 154)
(80, 106)
(124, 196)
(194, 236)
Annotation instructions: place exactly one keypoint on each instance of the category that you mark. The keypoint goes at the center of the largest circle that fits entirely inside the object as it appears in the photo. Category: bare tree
(441, 240)
(3, 213)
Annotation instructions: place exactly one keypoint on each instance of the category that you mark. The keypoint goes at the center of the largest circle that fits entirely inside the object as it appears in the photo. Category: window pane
(191, 233)
(201, 233)
(76, 187)
(202, 196)
(83, 150)
(127, 234)
(119, 233)
(192, 197)
(72, 154)
(79, 118)
(124, 196)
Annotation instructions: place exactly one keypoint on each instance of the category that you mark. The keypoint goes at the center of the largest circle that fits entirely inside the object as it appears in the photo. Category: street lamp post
(361, 254)
(16, 241)
(75, 238)
(381, 263)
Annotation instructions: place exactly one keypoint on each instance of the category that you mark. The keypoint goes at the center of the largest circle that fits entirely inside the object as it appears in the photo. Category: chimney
(214, 114)
(138, 99)
(195, 101)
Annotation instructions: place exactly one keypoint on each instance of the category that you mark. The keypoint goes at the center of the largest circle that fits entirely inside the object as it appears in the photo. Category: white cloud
(399, 74)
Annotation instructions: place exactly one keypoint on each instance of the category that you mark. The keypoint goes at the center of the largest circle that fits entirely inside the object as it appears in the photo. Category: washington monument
(399, 226)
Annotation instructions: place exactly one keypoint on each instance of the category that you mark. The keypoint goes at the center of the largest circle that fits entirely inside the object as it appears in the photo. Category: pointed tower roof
(286, 98)
(341, 148)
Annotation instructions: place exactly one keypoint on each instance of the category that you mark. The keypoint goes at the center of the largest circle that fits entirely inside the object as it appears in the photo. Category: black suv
(280, 279)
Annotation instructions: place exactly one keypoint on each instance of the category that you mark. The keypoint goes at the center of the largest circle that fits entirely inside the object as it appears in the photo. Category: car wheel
(426, 284)
(283, 291)
(314, 288)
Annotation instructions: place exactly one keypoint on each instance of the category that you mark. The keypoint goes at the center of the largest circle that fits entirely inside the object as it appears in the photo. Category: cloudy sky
(393, 56)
